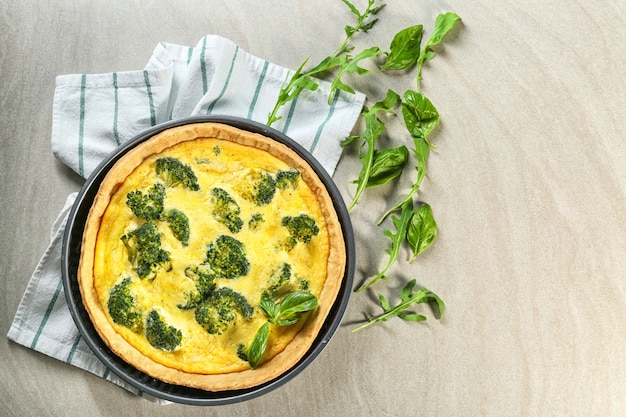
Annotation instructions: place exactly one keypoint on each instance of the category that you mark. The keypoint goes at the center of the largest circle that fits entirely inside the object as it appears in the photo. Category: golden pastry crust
(190, 365)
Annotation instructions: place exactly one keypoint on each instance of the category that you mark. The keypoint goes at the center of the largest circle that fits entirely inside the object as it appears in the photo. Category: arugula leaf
(420, 118)
(443, 24)
(373, 129)
(300, 81)
(408, 298)
(401, 223)
(404, 50)
(351, 65)
(387, 165)
(422, 230)
(362, 24)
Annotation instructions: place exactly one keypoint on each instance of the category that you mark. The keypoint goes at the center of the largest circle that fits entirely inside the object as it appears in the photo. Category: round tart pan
(71, 255)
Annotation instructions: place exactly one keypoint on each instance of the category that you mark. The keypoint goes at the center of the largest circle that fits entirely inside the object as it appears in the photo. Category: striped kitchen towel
(95, 113)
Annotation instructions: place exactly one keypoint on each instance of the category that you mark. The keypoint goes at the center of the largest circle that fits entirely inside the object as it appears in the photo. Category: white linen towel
(95, 113)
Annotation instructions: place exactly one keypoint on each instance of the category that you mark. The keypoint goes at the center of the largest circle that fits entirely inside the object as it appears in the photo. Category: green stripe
(116, 133)
(205, 84)
(189, 54)
(81, 126)
(73, 350)
(47, 314)
(106, 373)
(258, 90)
(292, 109)
(230, 72)
(146, 77)
(321, 128)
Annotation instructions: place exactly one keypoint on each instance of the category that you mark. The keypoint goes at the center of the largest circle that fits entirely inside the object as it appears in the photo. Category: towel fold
(95, 113)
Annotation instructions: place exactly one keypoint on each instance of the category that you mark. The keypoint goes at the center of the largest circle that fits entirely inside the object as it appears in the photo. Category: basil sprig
(287, 312)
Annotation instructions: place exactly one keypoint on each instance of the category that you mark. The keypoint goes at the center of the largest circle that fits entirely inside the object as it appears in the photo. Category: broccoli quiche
(199, 240)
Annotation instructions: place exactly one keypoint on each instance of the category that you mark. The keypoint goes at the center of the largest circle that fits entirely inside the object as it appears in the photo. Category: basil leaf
(287, 322)
(296, 302)
(259, 345)
(422, 230)
(269, 307)
(404, 49)
(387, 165)
(420, 116)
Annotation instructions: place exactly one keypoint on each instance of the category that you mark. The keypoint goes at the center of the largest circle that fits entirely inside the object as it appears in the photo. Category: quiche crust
(287, 346)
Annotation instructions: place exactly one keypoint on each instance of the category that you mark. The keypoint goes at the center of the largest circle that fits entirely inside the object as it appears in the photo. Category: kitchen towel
(95, 113)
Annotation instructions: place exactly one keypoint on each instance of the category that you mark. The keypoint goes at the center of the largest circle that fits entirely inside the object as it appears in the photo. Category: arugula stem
(419, 297)
(396, 242)
(294, 86)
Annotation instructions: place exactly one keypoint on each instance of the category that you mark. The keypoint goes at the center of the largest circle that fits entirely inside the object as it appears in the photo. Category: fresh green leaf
(414, 317)
(302, 80)
(443, 24)
(420, 116)
(404, 50)
(422, 230)
(408, 299)
(297, 302)
(374, 127)
(401, 224)
(259, 345)
(269, 307)
(387, 165)
(384, 303)
(351, 66)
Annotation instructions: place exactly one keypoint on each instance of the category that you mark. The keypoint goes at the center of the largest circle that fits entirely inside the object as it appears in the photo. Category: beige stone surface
(528, 186)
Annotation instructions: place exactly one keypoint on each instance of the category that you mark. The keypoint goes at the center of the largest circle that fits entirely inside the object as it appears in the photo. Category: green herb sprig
(284, 313)
(302, 80)
(408, 298)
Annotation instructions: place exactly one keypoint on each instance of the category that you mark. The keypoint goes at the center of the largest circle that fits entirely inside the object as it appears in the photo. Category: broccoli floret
(264, 189)
(219, 309)
(255, 220)
(178, 223)
(226, 210)
(287, 178)
(147, 206)
(242, 352)
(301, 228)
(174, 173)
(122, 307)
(144, 250)
(283, 282)
(259, 188)
(160, 334)
(204, 279)
(227, 257)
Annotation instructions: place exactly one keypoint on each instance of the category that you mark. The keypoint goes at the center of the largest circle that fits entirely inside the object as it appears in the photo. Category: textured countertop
(528, 187)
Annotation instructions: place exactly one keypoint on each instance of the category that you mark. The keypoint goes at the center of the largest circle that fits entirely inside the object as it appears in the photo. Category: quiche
(189, 232)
